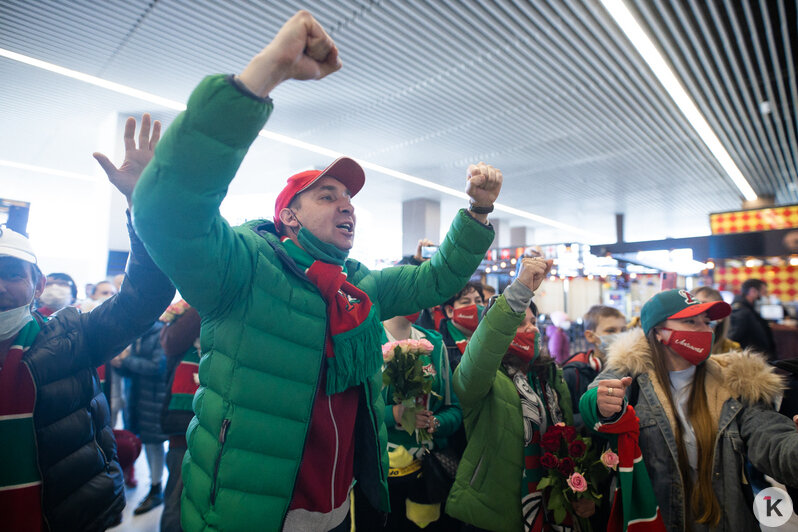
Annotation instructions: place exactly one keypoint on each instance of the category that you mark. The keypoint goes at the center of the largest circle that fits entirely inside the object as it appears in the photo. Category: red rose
(577, 448)
(556, 429)
(549, 461)
(550, 441)
(566, 466)
(569, 433)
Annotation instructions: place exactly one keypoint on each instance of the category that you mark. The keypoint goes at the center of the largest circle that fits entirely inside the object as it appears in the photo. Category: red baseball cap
(344, 169)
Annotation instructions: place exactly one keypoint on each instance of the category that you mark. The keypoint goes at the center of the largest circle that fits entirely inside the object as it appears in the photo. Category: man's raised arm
(176, 202)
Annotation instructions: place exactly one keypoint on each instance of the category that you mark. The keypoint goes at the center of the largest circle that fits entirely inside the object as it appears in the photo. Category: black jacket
(146, 369)
(82, 484)
(749, 329)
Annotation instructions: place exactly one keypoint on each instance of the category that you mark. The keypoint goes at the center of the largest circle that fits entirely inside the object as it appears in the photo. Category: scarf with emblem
(353, 348)
(634, 506)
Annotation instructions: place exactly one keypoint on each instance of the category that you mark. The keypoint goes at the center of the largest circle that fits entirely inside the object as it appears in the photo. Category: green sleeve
(588, 409)
(402, 290)
(474, 376)
(176, 201)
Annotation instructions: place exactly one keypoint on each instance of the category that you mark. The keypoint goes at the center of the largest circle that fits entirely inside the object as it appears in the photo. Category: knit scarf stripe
(354, 352)
(184, 386)
(20, 482)
(636, 508)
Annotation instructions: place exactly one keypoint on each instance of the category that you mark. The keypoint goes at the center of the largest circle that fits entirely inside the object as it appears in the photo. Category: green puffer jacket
(487, 489)
(263, 323)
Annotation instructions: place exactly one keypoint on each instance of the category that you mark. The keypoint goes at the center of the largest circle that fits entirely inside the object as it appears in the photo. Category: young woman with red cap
(699, 417)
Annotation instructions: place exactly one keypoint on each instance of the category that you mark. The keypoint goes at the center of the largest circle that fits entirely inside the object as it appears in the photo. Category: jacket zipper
(476, 470)
(222, 439)
(335, 461)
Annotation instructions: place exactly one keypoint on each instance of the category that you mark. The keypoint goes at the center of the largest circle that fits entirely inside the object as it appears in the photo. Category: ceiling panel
(550, 91)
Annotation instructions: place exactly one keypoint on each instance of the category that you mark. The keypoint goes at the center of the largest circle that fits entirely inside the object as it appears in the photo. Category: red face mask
(413, 317)
(466, 317)
(525, 346)
(693, 346)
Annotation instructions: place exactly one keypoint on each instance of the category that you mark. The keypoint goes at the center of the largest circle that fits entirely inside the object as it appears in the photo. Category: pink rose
(610, 459)
(413, 345)
(577, 483)
(425, 344)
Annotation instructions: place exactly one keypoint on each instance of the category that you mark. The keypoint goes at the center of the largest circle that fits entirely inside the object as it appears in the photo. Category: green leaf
(559, 515)
(544, 483)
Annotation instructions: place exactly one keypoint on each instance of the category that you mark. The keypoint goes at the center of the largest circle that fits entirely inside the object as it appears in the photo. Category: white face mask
(56, 296)
(11, 321)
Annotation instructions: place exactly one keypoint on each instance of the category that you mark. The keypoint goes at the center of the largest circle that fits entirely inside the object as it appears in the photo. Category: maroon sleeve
(180, 334)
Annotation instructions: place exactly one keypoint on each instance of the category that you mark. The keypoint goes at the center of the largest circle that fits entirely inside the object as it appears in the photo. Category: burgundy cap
(344, 169)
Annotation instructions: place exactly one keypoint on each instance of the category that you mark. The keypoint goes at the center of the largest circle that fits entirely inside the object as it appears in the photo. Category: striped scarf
(634, 506)
(20, 480)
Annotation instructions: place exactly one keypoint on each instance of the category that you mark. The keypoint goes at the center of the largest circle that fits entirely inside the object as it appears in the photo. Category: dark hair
(533, 308)
(65, 278)
(756, 284)
(470, 285)
(594, 314)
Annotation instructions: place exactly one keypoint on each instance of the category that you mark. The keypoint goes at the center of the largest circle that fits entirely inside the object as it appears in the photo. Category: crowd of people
(266, 374)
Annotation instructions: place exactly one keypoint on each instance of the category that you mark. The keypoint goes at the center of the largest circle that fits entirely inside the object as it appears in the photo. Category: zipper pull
(223, 431)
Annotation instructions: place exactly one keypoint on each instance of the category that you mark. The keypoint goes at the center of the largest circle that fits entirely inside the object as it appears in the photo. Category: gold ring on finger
(609, 392)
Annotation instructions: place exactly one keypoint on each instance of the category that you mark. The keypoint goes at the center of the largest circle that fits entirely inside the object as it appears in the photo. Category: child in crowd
(602, 324)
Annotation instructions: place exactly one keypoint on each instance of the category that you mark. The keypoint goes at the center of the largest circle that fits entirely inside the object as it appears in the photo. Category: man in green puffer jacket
(288, 412)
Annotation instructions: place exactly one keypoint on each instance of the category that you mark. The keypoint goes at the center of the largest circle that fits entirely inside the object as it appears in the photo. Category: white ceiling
(551, 92)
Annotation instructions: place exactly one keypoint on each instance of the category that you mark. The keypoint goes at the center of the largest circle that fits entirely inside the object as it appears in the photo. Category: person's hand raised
(533, 271)
(126, 176)
(301, 50)
(483, 183)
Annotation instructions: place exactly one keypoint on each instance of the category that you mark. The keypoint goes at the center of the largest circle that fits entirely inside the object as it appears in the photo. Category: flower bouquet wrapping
(574, 467)
(409, 371)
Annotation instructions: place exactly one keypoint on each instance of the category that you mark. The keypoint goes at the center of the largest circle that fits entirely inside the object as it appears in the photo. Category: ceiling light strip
(177, 106)
(94, 80)
(651, 55)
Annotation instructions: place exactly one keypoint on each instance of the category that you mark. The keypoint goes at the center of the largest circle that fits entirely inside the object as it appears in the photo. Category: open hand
(301, 50)
(126, 176)
(610, 395)
(483, 183)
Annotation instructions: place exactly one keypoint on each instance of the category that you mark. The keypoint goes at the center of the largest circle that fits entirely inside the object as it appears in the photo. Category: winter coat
(741, 388)
(146, 393)
(578, 374)
(749, 329)
(82, 484)
(487, 489)
(263, 323)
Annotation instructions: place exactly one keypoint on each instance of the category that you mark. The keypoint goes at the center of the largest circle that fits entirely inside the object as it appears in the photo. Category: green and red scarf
(634, 506)
(20, 481)
(353, 348)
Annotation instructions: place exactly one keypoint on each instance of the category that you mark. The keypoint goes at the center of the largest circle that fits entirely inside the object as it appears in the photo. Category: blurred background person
(557, 335)
(748, 327)
(721, 344)
(143, 363)
(59, 292)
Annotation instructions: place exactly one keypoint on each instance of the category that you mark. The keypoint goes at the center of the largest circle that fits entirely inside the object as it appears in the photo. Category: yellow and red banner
(782, 280)
(785, 217)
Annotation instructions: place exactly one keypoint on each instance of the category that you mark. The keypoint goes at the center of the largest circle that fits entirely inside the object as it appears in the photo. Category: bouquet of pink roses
(574, 468)
(409, 371)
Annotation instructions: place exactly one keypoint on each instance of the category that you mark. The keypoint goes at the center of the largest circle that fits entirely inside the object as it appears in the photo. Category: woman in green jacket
(501, 365)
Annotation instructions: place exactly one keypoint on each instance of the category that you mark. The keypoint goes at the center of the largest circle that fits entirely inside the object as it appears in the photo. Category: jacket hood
(745, 374)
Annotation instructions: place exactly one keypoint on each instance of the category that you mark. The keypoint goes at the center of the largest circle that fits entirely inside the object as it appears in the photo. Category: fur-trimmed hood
(745, 374)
